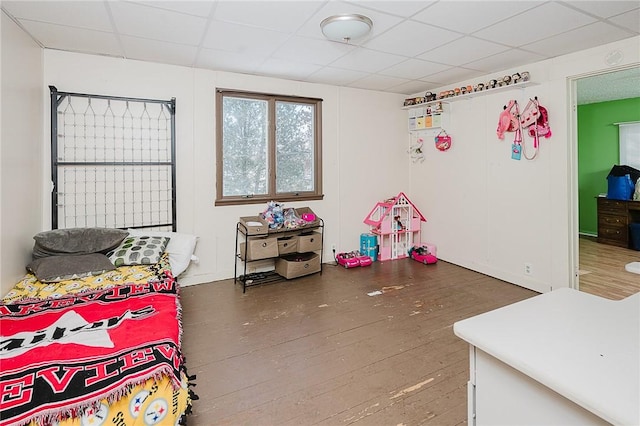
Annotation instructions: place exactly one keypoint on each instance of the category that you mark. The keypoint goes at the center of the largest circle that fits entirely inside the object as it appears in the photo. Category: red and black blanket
(64, 354)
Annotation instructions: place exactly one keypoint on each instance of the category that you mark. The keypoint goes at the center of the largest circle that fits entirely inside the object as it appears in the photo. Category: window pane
(244, 147)
(295, 136)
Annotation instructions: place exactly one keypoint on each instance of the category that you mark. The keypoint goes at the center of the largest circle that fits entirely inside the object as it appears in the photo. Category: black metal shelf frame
(267, 277)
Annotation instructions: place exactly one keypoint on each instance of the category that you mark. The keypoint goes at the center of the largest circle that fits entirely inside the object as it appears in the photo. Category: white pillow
(180, 247)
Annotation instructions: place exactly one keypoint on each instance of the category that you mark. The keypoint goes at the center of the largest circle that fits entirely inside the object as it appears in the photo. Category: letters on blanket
(68, 353)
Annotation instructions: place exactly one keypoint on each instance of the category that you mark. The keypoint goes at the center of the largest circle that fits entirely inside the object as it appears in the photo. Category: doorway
(599, 268)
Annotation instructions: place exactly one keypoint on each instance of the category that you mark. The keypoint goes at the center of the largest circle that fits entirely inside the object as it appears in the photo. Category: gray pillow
(77, 241)
(69, 267)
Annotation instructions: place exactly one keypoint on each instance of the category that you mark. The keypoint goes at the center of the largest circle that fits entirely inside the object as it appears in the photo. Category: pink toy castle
(397, 223)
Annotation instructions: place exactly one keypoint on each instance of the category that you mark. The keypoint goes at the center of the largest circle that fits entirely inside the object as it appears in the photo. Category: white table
(563, 357)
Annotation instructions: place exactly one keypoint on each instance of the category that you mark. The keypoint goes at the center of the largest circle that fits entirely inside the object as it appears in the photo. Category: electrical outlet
(333, 247)
(528, 269)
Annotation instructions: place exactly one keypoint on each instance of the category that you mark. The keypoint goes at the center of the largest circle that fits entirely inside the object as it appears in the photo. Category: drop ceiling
(414, 46)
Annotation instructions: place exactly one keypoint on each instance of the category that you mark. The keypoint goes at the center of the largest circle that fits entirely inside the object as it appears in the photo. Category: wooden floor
(320, 351)
(602, 272)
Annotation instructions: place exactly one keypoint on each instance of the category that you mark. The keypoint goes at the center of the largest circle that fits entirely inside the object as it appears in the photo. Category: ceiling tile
(336, 76)
(228, 61)
(469, 16)
(242, 39)
(604, 9)
(583, 38)
(91, 14)
(509, 59)
(411, 87)
(283, 16)
(411, 38)
(381, 21)
(413, 69)
(414, 44)
(463, 50)
(159, 51)
(401, 8)
(535, 24)
(377, 82)
(367, 60)
(629, 20)
(286, 69)
(73, 39)
(452, 75)
(196, 8)
(157, 24)
(311, 50)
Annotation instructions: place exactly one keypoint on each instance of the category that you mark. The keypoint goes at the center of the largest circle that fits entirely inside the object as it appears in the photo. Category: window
(629, 139)
(268, 148)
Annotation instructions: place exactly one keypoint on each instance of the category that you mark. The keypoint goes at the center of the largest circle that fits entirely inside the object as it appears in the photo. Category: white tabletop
(583, 347)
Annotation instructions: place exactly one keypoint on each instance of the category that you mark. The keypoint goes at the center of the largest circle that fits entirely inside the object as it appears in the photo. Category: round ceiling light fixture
(346, 27)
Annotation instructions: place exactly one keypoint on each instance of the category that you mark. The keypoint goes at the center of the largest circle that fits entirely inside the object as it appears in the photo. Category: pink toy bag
(541, 125)
(535, 119)
(508, 120)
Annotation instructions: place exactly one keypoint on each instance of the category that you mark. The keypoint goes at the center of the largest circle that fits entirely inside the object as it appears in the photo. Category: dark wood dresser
(614, 217)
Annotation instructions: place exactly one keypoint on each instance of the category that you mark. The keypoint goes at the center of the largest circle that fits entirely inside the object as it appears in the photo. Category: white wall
(20, 150)
(493, 214)
(363, 147)
(485, 211)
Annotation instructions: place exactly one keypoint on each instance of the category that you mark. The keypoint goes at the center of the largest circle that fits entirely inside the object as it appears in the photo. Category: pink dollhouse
(396, 222)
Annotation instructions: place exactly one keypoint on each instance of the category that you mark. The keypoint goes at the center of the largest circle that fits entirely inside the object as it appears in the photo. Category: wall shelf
(468, 96)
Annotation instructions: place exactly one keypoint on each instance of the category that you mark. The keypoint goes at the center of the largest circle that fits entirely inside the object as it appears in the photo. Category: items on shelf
(426, 117)
(507, 80)
(278, 217)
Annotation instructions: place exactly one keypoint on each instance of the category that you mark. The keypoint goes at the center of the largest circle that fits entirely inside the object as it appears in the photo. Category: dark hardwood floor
(320, 351)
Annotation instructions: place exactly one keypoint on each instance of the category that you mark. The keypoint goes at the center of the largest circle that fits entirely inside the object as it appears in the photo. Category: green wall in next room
(598, 152)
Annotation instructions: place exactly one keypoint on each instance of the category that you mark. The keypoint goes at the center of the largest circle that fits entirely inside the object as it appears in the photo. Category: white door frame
(572, 90)
(572, 120)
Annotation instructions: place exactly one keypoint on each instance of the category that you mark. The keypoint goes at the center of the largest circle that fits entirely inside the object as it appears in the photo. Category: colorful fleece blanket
(60, 357)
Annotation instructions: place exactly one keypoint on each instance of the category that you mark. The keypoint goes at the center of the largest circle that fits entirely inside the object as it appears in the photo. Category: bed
(92, 333)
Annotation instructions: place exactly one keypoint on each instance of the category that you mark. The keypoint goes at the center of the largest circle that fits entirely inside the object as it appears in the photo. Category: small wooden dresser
(614, 217)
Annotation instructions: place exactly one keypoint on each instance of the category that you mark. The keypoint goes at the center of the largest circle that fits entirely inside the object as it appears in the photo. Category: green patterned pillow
(138, 250)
